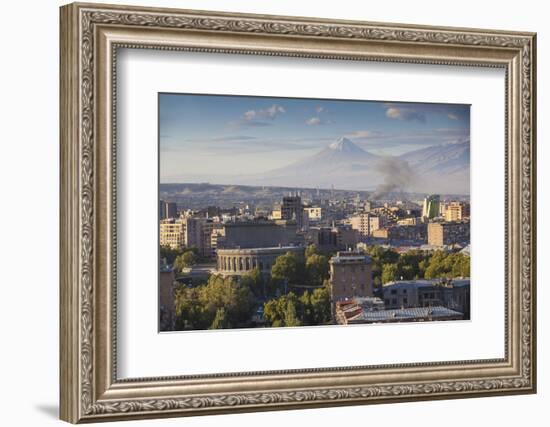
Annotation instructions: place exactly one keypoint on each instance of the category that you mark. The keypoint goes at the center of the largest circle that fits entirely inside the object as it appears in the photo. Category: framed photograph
(267, 212)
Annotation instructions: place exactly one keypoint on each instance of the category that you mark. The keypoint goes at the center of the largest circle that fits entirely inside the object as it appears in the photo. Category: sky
(205, 137)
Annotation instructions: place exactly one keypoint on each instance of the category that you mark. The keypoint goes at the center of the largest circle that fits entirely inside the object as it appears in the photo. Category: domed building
(237, 262)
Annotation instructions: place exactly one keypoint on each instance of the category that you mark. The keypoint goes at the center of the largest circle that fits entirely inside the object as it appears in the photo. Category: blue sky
(207, 136)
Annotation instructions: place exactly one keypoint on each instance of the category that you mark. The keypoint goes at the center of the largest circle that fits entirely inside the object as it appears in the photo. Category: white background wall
(29, 170)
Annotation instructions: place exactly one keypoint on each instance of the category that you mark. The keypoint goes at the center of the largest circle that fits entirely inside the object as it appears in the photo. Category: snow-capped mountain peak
(345, 145)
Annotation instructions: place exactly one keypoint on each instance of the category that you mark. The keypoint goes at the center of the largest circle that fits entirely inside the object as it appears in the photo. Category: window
(393, 291)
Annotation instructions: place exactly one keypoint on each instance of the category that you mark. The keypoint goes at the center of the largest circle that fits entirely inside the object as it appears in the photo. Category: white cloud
(259, 117)
(452, 116)
(267, 113)
(314, 121)
(320, 109)
(364, 134)
(404, 113)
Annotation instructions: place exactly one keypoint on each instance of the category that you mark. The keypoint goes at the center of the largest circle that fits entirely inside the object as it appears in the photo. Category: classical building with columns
(237, 262)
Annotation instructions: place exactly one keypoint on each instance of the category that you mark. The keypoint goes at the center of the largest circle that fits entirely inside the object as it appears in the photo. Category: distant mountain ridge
(343, 164)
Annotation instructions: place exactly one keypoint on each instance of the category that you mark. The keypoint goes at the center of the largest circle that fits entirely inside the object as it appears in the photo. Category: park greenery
(389, 266)
(297, 292)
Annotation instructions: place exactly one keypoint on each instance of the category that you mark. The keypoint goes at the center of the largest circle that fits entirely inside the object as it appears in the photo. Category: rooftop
(261, 250)
(350, 257)
(426, 282)
(404, 314)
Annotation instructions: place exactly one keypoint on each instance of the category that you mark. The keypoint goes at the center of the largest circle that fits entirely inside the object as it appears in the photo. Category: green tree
(274, 311)
(448, 265)
(461, 266)
(220, 303)
(389, 273)
(220, 320)
(320, 305)
(169, 254)
(255, 282)
(317, 269)
(311, 308)
(379, 257)
(187, 259)
(287, 269)
(290, 314)
(311, 250)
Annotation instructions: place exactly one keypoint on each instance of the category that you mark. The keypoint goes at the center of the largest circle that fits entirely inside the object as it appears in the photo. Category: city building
(365, 223)
(314, 213)
(352, 312)
(453, 294)
(448, 233)
(350, 276)
(241, 261)
(430, 208)
(329, 239)
(167, 307)
(162, 210)
(457, 211)
(387, 213)
(207, 228)
(410, 221)
(292, 209)
(171, 210)
(259, 234)
(193, 235)
(172, 233)
(415, 233)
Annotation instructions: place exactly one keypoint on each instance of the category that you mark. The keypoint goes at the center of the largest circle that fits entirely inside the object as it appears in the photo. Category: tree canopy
(220, 303)
(289, 269)
(185, 260)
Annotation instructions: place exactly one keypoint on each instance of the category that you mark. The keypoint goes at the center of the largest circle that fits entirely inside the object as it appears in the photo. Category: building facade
(448, 233)
(453, 294)
(350, 276)
(291, 209)
(162, 210)
(237, 262)
(171, 210)
(457, 211)
(430, 208)
(259, 234)
(314, 213)
(365, 223)
(172, 233)
(337, 238)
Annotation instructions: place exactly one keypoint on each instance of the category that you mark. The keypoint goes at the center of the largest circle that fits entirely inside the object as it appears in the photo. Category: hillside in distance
(343, 164)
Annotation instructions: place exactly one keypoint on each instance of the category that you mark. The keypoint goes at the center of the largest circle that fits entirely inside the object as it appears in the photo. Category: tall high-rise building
(167, 209)
(162, 209)
(292, 209)
(430, 208)
(171, 210)
(193, 235)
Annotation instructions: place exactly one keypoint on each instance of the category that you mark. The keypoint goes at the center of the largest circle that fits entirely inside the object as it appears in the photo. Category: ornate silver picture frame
(91, 36)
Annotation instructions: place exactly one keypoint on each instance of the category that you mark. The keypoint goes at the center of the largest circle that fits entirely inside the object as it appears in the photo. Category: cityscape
(357, 228)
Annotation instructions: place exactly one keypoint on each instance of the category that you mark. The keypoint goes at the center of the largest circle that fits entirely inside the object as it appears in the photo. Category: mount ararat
(343, 164)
